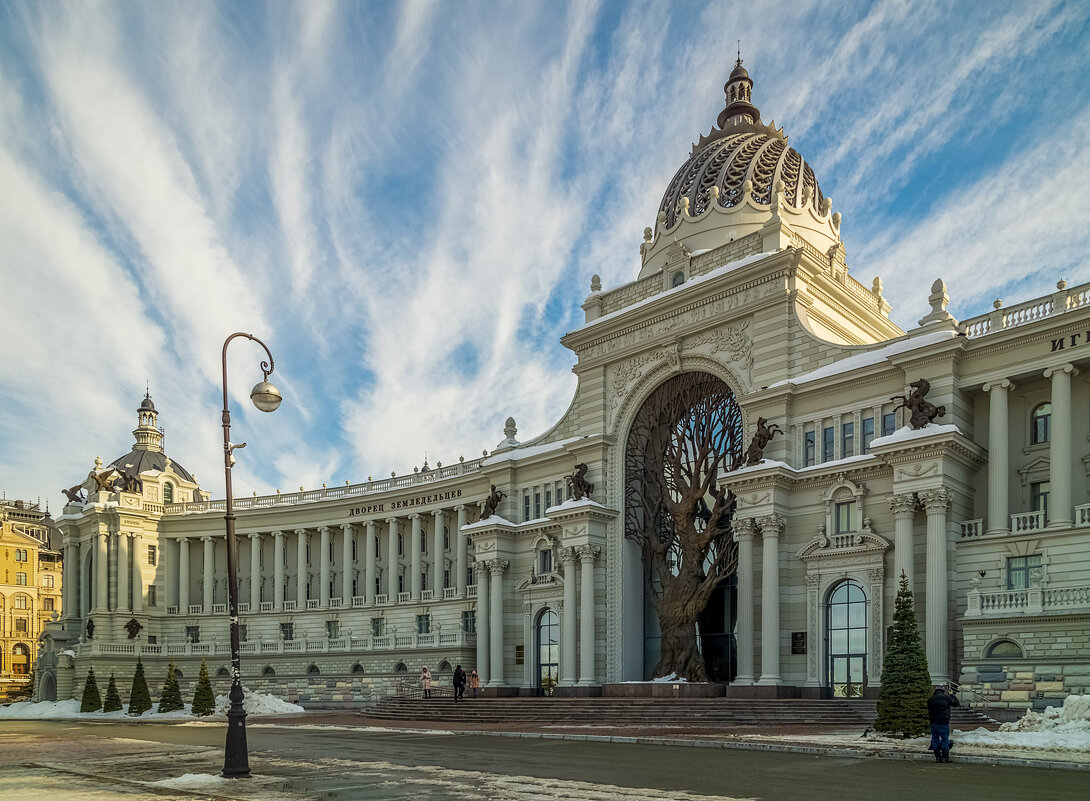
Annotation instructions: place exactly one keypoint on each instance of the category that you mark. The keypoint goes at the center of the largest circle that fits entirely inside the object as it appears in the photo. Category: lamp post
(266, 397)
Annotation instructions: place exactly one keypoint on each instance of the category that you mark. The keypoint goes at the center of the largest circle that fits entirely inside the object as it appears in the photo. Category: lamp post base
(236, 760)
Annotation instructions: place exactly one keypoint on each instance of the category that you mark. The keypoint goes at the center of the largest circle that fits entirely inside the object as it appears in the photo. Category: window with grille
(1041, 424)
(151, 555)
(1023, 571)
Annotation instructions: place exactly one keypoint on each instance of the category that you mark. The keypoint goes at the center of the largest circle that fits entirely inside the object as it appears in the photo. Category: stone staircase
(685, 713)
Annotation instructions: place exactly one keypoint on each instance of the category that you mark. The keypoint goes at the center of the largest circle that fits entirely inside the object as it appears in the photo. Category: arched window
(400, 668)
(1041, 424)
(168, 493)
(313, 671)
(1003, 648)
(444, 667)
(223, 673)
(20, 659)
(846, 632)
(357, 668)
(548, 651)
(678, 279)
(178, 674)
(268, 671)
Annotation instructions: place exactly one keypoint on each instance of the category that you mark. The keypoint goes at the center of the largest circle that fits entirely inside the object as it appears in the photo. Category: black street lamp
(266, 397)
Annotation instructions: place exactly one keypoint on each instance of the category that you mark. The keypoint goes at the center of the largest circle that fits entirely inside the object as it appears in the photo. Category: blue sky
(406, 201)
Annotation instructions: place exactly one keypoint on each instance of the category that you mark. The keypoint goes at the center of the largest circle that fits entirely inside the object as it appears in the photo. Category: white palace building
(743, 279)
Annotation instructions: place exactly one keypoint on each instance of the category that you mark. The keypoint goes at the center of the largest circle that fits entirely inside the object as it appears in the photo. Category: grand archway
(683, 439)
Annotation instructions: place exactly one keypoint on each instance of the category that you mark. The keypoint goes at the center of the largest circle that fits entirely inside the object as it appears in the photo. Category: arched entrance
(548, 651)
(846, 640)
(684, 438)
(49, 688)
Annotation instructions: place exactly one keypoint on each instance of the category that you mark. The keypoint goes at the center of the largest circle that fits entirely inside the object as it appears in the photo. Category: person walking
(474, 681)
(425, 681)
(938, 712)
(459, 684)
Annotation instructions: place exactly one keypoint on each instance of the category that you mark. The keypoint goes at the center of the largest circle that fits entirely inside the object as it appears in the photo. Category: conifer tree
(92, 700)
(170, 700)
(139, 696)
(204, 702)
(113, 698)
(906, 682)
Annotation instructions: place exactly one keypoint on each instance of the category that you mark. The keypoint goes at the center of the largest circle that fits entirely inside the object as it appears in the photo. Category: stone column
(935, 502)
(209, 562)
(481, 570)
(568, 557)
(69, 584)
(369, 564)
(137, 573)
(183, 576)
(347, 564)
(415, 564)
(102, 571)
(278, 570)
(392, 561)
(744, 533)
(255, 572)
(771, 526)
(1059, 454)
(587, 555)
(301, 568)
(438, 552)
(495, 624)
(461, 568)
(323, 569)
(123, 572)
(999, 520)
(904, 510)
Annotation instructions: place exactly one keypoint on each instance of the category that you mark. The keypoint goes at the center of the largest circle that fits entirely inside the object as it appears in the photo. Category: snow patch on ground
(1066, 728)
(192, 780)
(255, 704)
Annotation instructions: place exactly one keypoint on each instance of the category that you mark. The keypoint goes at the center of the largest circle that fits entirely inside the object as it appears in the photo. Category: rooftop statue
(922, 412)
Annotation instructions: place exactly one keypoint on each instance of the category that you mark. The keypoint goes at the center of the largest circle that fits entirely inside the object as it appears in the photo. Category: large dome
(729, 160)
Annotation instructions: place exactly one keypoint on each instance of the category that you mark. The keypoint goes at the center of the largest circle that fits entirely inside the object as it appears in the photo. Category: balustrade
(404, 597)
(427, 595)
(313, 603)
(972, 528)
(1028, 521)
(1030, 601)
(449, 593)
(290, 606)
(1082, 515)
(196, 609)
(219, 609)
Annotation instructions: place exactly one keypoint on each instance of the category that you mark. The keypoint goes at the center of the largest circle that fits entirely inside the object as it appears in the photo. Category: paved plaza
(301, 760)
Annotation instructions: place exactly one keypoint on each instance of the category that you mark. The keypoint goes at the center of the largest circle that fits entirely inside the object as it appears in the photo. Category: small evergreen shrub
(139, 696)
(170, 700)
(906, 682)
(92, 700)
(204, 702)
(113, 698)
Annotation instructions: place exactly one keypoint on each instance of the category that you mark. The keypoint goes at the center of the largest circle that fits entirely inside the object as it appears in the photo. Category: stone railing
(1082, 515)
(357, 601)
(1061, 301)
(1028, 521)
(311, 496)
(1031, 601)
(972, 528)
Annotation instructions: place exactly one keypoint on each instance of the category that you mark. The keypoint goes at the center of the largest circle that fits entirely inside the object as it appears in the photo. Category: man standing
(459, 683)
(938, 712)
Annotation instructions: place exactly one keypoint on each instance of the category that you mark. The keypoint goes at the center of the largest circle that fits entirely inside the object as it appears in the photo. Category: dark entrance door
(716, 627)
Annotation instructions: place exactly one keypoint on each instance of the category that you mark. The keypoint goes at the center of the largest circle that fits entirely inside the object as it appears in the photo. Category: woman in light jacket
(425, 681)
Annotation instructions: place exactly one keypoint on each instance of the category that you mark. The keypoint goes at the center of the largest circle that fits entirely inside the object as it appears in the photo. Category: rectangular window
(151, 555)
(151, 595)
(47, 581)
(842, 517)
(423, 624)
(353, 549)
(308, 553)
(808, 448)
(400, 545)
(20, 579)
(446, 538)
(152, 639)
(287, 631)
(332, 554)
(525, 507)
(469, 621)
(469, 576)
(548, 498)
(400, 584)
(378, 627)
(827, 444)
(1038, 496)
(193, 634)
(20, 625)
(847, 440)
(242, 632)
(332, 630)
(20, 602)
(47, 604)
(545, 562)
(537, 505)
(868, 434)
(889, 423)
(423, 541)
(446, 579)
(1023, 571)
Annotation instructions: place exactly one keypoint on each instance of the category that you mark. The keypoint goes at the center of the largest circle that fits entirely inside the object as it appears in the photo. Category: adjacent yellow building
(30, 588)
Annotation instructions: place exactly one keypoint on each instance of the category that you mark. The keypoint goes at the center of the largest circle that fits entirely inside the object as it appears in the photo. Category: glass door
(846, 629)
(548, 652)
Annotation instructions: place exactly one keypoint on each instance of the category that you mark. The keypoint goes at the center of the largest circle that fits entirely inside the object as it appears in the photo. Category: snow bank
(1063, 729)
(256, 704)
(195, 780)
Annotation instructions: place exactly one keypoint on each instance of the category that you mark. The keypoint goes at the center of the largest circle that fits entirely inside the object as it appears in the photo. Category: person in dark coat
(938, 712)
(459, 683)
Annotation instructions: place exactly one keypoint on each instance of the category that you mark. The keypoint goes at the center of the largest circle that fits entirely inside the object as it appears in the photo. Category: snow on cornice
(492, 521)
(527, 451)
(907, 434)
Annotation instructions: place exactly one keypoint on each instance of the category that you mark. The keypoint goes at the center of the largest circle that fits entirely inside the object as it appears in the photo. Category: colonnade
(111, 553)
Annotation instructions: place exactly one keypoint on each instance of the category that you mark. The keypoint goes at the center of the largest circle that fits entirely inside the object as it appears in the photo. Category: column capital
(346, 527)
(323, 529)
(588, 553)
(183, 540)
(935, 500)
(480, 568)
(745, 529)
(391, 520)
(206, 538)
(438, 513)
(278, 534)
(497, 566)
(459, 507)
(370, 525)
(903, 505)
(300, 531)
(998, 383)
(254, 535)
(771, 525)
(1062, 368)
(568, 554)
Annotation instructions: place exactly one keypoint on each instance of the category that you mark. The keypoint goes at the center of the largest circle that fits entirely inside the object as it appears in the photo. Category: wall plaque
(798, 642)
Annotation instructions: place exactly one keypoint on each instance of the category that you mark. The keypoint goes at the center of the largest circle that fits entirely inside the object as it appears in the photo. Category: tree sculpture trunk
(685, 436)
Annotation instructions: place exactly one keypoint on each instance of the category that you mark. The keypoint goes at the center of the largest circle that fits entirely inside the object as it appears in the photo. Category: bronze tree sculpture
(685, 436)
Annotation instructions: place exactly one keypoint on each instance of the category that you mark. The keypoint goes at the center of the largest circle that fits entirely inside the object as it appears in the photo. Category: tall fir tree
(170, 700)
(139, 696)
(204, 702)
(906, 682)
(92, 699)
(113, 698)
